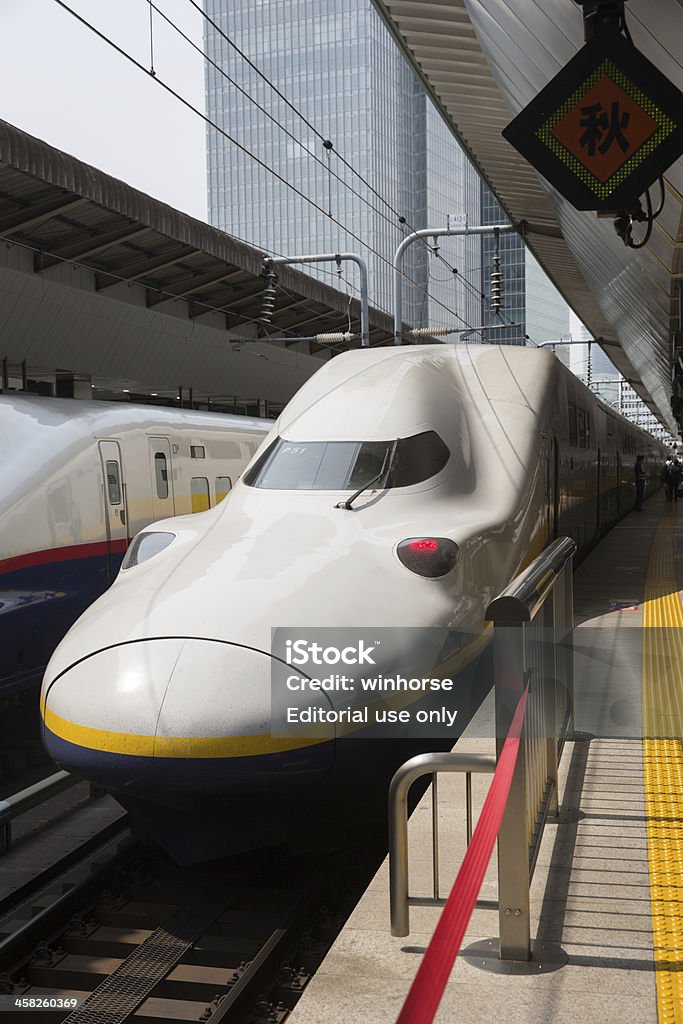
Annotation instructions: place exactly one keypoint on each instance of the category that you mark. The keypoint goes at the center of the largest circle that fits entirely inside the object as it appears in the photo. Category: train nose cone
(106, 706)
(172, 716)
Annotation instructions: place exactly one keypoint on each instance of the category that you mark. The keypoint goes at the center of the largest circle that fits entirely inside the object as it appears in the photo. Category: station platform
(608, 888)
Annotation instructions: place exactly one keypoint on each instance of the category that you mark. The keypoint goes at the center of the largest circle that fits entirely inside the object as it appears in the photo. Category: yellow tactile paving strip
(663, 765)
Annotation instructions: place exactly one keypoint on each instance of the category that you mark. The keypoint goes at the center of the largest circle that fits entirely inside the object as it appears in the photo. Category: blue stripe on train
(144, 776)
(38, 604)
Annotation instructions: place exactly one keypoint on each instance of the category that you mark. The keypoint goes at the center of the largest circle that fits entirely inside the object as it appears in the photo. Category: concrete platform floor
(591, 889)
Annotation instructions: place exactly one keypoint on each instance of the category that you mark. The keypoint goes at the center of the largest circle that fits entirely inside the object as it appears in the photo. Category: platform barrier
(12, 806)
(533, 623)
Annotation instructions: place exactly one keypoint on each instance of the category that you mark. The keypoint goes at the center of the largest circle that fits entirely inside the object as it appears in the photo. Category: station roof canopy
(67, 214)
(483, 61)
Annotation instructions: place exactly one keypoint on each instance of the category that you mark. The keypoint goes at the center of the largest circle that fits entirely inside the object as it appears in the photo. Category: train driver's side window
(573, 427)
(581, 422)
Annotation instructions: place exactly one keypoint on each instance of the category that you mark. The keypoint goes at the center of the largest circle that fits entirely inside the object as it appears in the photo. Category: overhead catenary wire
(327, 144)
(271, 117)
(344, 334)
(434, 250)
(185, 102)
(473, 289)
(11, 241)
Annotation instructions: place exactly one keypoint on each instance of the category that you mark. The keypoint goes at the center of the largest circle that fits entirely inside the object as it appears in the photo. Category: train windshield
(348, 465)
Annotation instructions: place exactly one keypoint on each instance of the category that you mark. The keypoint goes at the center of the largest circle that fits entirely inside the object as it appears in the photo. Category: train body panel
(81, 479)
(493, 451)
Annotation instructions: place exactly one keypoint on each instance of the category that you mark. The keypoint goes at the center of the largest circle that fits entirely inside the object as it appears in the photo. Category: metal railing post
(553, 676)
(530, 617)
(468, 802)
(513, 838)
(435, 836)
(405, 776)
(398, 855)
(568, 650)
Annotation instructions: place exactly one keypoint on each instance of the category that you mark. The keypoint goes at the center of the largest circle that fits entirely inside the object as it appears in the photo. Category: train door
(618, 484)
(161, 466)
(548, 460)
(556, 488)
(114, 505)
(598, 491)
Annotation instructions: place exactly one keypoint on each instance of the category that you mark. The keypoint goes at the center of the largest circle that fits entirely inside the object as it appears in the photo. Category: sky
(63, 85)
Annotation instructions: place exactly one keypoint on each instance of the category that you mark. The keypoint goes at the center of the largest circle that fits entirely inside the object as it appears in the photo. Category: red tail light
(428, 556)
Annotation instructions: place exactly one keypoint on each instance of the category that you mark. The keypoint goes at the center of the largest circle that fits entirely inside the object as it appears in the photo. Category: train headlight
(145, 546)
(428, 556)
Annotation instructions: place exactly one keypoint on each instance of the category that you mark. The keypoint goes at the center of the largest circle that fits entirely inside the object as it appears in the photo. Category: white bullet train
(79, 480)
(401, 487)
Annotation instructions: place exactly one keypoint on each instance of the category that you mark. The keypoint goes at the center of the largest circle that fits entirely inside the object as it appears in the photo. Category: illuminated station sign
(605, 128)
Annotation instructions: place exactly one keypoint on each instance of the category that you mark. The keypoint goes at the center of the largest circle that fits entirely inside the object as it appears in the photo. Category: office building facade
(393, 165)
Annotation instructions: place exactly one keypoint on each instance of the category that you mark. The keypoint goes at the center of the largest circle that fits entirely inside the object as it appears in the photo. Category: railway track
(130, 936)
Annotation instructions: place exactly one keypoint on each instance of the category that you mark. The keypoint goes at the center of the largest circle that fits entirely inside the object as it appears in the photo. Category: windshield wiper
(386, 465)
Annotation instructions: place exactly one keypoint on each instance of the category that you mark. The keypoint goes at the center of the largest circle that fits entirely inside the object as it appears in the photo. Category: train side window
(113, 483)
(581, 424)
(223, 487)
(197, 451)
(573, 434)
(161, 474)
(587, 437)
(199, 489)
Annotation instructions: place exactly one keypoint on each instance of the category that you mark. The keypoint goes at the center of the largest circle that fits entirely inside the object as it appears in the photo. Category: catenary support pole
(429, 233)
(336, 257)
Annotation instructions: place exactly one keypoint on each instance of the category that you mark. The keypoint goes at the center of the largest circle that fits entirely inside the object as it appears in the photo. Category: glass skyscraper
(393, 165)
(340, 69)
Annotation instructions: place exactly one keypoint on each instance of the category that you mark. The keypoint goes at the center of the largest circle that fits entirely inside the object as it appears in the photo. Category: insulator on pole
(429, 332)
(496, 276)
(334, 339)
(268, 297)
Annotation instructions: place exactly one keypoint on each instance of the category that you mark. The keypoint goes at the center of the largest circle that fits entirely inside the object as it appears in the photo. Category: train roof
(34, 412)
(385, 393)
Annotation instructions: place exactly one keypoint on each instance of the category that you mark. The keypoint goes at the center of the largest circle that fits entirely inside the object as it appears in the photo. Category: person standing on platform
(639, 473)
(676, 475)
(670, 478)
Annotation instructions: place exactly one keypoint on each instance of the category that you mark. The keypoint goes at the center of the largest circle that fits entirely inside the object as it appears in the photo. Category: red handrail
(425, 993)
